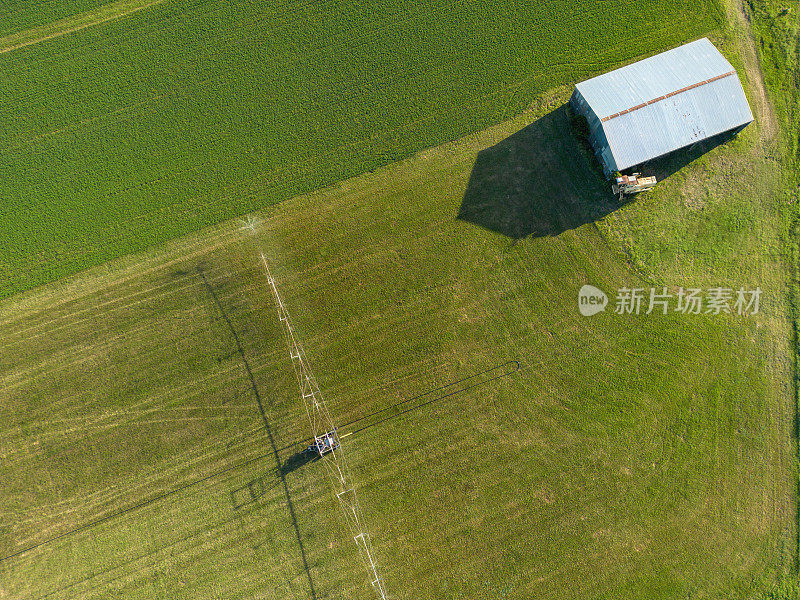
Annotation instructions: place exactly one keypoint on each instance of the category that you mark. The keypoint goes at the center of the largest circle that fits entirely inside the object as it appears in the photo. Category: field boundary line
(105, 277)
(42, 33)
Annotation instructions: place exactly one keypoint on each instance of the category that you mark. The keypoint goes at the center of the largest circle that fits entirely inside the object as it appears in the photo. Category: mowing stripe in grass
(141, 504)
(273, 444)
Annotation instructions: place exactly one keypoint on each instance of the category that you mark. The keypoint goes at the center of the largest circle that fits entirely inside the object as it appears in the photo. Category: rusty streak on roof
(665, 96)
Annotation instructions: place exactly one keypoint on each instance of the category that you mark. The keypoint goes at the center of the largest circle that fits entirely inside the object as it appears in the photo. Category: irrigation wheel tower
(327, 441)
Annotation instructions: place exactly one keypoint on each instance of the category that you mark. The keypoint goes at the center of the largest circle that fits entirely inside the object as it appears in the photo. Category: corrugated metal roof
(666, 102)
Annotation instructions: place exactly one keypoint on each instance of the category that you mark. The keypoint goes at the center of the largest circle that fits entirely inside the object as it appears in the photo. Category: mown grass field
(630, 457)
(124, 135)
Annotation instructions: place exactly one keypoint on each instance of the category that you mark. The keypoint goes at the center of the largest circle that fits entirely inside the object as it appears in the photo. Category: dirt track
(764, 113)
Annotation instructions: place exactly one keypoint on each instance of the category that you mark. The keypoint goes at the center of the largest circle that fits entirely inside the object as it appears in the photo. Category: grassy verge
(777, 27)
(739, 200)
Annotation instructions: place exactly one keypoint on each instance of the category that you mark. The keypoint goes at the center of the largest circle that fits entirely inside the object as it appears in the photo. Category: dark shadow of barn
(545, 179)
(538, 181)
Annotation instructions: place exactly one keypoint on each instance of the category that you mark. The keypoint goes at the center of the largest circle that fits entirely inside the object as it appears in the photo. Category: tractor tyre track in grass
(472, 381)
(469, 383)
(765, 114)
(268, 428)
(104, 14)
(141, 504)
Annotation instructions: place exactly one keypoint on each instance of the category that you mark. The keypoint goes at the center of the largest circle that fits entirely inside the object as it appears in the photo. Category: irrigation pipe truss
(322, 423)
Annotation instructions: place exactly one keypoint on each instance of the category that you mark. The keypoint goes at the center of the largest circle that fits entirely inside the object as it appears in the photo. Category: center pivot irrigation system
(327, 442)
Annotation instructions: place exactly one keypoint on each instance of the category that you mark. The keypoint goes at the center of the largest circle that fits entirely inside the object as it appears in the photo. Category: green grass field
(630, 456)
(121, 136)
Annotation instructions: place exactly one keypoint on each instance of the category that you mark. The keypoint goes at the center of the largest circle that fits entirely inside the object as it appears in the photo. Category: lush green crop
(184, 114)
(16, 15)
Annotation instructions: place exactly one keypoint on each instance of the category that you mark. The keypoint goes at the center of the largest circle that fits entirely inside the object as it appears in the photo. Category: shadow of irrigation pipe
(460, 385)
(452, 388)
(257, 396)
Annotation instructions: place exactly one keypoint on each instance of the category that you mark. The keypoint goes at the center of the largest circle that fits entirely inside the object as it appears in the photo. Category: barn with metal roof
(660, 104)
